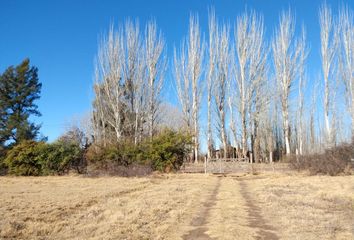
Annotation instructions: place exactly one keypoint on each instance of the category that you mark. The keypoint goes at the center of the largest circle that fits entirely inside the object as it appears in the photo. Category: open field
(180, 206)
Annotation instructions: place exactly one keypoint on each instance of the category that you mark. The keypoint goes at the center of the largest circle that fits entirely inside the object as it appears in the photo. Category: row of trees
(250, 82)
(247, 81)
(129, 77)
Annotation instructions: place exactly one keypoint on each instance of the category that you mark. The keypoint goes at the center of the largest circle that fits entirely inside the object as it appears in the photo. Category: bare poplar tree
(250, 70)
(347, 57)
(188, 71)
(211, 75)
(232, 120)
(329, 41)
(108, 85)
(132, 74)
(183, 84)
(302, 84)
(222, 74)
(286, 53)
(129, 78)
(139, 101)
(155, 68)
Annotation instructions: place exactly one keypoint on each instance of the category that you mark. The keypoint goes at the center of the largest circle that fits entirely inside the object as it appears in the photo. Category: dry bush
(333, 161)
(111, 169)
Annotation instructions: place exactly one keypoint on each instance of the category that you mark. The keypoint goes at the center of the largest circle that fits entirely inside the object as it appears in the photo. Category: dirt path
(200, 221)
(247, 220)
(255, 218)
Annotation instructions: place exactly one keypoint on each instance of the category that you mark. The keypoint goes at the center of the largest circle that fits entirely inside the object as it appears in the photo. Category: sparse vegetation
(333, 161)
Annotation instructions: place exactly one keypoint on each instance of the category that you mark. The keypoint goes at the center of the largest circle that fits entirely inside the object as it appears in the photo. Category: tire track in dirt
(265, 232)
(200, 221)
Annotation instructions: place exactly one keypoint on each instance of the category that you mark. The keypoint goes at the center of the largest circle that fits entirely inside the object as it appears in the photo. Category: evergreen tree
(19, 88)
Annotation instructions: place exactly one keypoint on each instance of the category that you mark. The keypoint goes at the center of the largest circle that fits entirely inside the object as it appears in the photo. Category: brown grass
(167, 206)
(304, 207)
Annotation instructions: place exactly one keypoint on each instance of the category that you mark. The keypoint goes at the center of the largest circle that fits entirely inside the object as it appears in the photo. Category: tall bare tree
(222, 75)
(232, 120)
(329, 41)
(183, 84)
(155, 68)
(286, 55)
(250, 70)
(301, 87)
(347, 57)
(211, 76)
(108, 87)
(188, 72)
(129, 78)
(133, 47)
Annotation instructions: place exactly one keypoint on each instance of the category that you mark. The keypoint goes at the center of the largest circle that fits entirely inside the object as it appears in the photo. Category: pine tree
(19, 89)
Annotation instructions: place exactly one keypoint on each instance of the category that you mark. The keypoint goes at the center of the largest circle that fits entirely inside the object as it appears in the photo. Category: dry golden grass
(99, 208)
(306, 207)
(177, 207)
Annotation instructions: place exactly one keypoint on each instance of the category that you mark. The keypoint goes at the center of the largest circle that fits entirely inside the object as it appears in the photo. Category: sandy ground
(180, 206)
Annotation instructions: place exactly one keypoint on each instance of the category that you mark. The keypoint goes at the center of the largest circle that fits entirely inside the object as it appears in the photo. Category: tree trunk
(244, 131)
(326, 115)
(286, 131)
(209, 126)
(196, 133)
(223, 133)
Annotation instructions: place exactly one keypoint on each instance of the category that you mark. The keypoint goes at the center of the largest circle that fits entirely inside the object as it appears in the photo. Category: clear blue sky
(60, 38)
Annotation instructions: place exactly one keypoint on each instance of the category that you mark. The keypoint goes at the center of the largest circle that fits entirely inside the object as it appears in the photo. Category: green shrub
(39, 158)
(58, 157)
(167, 150)
(164, 153)
(22, 159)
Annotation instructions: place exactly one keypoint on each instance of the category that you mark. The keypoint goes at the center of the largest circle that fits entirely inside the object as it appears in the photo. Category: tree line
(254, 89)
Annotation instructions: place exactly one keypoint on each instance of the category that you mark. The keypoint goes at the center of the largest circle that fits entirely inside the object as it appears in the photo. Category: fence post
(205, 165)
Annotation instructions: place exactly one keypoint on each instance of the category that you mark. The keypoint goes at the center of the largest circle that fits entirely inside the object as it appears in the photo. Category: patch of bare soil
(265, 232)
(200, 221)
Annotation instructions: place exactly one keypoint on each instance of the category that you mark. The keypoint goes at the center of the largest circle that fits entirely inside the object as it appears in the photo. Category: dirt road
(180, 206)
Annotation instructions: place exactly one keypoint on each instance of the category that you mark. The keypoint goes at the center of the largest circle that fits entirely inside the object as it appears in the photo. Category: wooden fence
(232, 165)
(225, 165)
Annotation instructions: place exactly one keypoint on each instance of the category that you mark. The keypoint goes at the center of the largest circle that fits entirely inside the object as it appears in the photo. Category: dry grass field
(178, 206)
